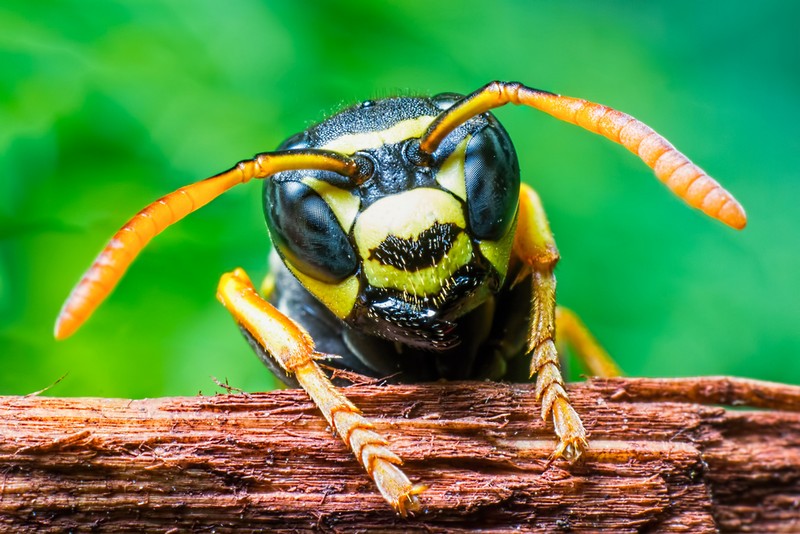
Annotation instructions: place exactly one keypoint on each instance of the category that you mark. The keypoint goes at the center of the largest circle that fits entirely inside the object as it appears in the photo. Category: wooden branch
(267, 461)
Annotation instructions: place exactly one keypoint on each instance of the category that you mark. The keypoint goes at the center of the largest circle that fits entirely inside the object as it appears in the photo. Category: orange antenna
(683, 177)
(126, 244)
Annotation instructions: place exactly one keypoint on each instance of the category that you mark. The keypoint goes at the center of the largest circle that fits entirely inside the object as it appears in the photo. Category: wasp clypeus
(409, 248)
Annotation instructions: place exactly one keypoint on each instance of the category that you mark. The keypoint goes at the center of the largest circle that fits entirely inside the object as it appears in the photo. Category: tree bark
(663, 456)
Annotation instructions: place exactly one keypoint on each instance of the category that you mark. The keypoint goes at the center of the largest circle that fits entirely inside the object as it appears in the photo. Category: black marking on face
(423, 322)
(427, 250)
(402, 321)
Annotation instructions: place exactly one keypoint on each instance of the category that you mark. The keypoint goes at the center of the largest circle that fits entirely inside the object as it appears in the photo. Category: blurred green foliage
(106, 106)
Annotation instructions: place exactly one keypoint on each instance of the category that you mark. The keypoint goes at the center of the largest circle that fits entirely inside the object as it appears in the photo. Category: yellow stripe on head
(352, 143)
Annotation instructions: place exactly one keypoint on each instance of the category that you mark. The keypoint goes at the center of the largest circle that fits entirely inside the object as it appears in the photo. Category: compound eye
(444, 101)
(491, 171)
(296, 142)
(306, 232)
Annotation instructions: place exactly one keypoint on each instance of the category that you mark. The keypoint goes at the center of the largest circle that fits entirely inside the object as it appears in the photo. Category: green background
(105, 107)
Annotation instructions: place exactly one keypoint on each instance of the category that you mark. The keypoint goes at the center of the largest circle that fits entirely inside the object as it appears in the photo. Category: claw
(569, 449)
(395, 486)
(570, 431)
(409, 503)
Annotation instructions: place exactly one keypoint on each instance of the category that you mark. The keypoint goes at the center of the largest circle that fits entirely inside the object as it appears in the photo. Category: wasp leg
(293, 349)
(571, 330)
(535, 247)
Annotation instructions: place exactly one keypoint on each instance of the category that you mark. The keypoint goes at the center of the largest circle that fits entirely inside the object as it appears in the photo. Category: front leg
(293, 349)
(535, 248)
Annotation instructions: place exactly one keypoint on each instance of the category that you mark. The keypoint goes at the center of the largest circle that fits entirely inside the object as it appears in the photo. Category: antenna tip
(63, 328)
(733, 214)
(66, 323)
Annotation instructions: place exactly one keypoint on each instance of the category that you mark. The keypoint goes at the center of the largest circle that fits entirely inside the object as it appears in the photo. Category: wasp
(407, 247)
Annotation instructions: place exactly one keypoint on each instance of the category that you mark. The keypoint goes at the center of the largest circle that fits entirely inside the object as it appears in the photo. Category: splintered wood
(663, 457)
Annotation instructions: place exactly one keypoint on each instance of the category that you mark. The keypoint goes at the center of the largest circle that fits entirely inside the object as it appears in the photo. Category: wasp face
(416, 246)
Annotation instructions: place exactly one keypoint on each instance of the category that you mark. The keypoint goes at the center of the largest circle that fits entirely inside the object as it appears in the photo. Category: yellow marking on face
(451, 174)
(406, 215)
(343, 203)
(339, 298)
(498, 252)
(352, 143)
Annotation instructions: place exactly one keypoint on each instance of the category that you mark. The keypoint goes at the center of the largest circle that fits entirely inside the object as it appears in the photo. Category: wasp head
(417, 244)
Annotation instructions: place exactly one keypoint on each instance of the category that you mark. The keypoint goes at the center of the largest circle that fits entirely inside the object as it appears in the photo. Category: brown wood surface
(663, 457)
